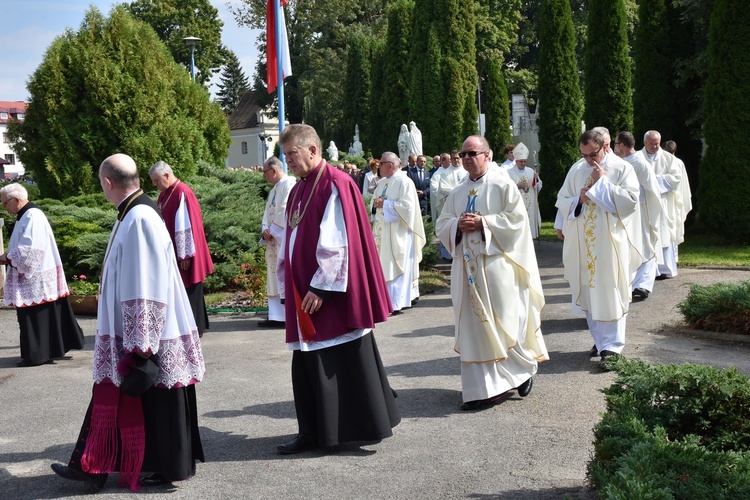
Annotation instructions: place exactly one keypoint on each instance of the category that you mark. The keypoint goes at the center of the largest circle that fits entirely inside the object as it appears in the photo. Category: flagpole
(279, 74)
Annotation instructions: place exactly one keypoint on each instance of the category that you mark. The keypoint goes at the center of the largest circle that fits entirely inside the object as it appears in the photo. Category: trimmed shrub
(673, 431)
(721, 307)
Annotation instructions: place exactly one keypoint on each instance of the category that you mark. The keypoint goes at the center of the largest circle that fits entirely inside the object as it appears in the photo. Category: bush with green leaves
(673, 431)
(720, 307)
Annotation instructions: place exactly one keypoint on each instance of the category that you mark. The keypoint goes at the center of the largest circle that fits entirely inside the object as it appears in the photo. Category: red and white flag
(273, 60)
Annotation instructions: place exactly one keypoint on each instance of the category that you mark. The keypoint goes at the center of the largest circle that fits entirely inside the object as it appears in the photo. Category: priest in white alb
(529, 184)
(442, 184)
(669, 176)
(399, 232)
(650, 214)
(599, 204)
(273, 226)
(495, 284)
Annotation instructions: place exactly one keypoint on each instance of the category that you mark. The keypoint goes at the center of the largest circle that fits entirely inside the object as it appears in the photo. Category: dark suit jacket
(421, 185)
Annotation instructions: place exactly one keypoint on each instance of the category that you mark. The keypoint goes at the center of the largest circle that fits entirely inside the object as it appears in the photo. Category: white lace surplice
(36, 274)
(143, 305)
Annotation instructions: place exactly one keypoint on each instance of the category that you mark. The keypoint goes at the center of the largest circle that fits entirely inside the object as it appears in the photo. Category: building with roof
(254, 132)
(10, 167)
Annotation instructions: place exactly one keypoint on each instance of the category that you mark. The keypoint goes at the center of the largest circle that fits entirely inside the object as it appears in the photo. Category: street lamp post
(191, 41)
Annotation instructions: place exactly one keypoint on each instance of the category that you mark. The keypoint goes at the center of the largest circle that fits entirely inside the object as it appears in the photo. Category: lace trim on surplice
(185, 244)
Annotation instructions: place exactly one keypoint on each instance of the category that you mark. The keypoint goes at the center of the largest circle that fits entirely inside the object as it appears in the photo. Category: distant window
(5, 138)
(3, 115)
(11, 159)
(20, 116)
(244, 147)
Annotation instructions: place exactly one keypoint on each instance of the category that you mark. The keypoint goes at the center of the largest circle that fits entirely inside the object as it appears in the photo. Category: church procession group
(336, 268)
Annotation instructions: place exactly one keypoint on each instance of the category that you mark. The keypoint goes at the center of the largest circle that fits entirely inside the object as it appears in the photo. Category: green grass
(698, 249)
(432, 281)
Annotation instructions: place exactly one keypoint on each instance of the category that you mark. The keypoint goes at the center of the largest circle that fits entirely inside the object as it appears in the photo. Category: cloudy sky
(30, 26)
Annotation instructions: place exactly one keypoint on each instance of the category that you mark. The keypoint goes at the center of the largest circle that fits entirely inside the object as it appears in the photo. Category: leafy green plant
(80, 285)
(720, 307)
(673, 431)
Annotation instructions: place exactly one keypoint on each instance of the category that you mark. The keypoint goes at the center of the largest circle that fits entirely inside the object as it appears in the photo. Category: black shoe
(593, 352)
(66, 472)
(270, 323)
(640, 293)
(25, 364)
(414, 302)
(154, 479)
(525, 388)
(608, 358)
(301, 442)
(396, 313)
(663, 277)
(481, 403)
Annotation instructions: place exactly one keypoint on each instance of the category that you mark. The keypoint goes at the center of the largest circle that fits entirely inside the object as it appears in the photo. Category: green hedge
(673, 431)
(721, 307)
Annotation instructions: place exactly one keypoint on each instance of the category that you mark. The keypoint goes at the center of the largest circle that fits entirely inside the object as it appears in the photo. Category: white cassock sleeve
(183, 232)
(601, 193)
(332, 252)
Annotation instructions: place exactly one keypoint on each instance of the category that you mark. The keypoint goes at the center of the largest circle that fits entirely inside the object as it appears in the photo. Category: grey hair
(392, 157)
(160, 168)
(15, 190)
(301, 136)
(274, 162)
(651, 132)
(605, 133)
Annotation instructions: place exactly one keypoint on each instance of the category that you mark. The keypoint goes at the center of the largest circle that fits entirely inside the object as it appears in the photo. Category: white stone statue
(356, 149)
(333, 152)
(415, 140)
(403, 144)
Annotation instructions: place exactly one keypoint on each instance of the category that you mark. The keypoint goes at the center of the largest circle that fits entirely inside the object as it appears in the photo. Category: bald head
(121, 171)
(118, 176)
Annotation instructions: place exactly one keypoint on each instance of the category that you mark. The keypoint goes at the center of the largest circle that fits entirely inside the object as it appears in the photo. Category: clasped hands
(468, 223)
(378, 202)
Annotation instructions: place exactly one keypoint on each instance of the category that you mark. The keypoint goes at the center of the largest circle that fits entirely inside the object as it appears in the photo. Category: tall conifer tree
(233, 84)
(607, 68)
(560, 103)
(425, 80)
(725, 177)
(654, 94)
(357, 86)
(394, 109)
(497, 109)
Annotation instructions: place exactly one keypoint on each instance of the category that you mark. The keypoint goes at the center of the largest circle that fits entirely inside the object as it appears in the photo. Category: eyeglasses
(384, 162)
(471, 154)
(5, 203)
(592, 155)
(267, 170)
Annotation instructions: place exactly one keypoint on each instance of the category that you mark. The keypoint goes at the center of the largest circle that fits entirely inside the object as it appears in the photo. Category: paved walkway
(533, 448)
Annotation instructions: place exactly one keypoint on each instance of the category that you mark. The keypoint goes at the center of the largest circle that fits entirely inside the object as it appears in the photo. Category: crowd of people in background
(335, 268)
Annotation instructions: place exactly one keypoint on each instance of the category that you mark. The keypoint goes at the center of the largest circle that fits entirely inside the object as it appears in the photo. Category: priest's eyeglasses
(5, 203)
(592, 155)
(471, 154)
